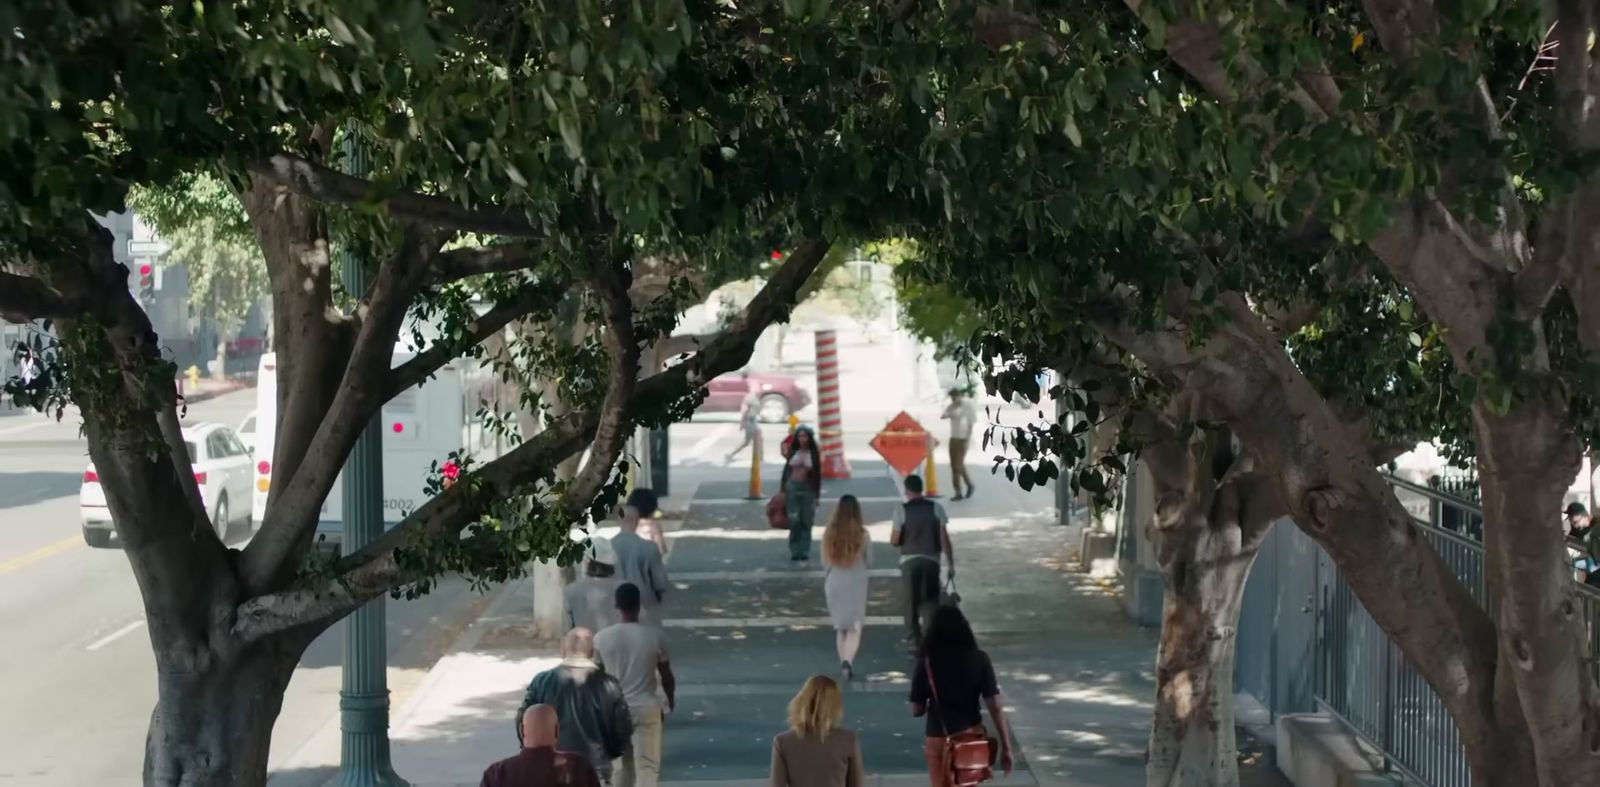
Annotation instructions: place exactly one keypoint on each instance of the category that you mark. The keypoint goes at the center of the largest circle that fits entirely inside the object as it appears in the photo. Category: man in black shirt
(921, 533)
(590, 704)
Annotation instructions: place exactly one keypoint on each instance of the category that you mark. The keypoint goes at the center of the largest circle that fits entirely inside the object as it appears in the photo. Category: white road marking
(701, 446)
(771, 623)
(712, 576)
(739, 501)
(42, 421)
(116, 635)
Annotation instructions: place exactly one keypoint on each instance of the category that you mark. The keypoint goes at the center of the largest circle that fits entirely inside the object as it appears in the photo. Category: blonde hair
(846, 536)
(818, 707)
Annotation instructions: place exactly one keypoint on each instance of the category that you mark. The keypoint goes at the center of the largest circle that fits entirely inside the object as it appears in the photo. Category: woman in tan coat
(815, 751)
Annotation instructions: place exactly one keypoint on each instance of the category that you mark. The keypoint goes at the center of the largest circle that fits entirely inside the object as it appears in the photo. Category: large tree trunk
(1212, 513)
(1192, 739)
(1327, 479)
(1527, 458)
(212, 724)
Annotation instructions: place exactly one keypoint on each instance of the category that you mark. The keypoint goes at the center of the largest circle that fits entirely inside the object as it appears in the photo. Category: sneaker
(958, 498)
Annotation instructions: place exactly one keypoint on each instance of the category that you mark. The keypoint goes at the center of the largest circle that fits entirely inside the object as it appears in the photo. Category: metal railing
(1364, 680)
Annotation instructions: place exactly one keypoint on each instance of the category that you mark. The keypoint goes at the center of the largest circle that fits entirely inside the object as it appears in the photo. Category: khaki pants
(640, 766)
(959, 479)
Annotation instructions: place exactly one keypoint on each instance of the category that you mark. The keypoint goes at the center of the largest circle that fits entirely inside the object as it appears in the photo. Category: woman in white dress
(845, 550)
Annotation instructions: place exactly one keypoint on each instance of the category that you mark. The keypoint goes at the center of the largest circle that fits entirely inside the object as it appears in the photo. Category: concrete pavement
(746, 627)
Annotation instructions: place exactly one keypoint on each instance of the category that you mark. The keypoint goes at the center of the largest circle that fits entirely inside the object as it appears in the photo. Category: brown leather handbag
(968, 756)
(778, 512)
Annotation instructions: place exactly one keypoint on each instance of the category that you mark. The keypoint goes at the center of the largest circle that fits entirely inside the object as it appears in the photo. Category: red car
(780, 395)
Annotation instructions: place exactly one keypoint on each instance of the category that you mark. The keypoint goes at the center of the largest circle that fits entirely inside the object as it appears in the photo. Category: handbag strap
(933, 688)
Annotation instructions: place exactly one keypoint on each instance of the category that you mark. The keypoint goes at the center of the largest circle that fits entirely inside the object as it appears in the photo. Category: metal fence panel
(1363, 677)
(1341, 656)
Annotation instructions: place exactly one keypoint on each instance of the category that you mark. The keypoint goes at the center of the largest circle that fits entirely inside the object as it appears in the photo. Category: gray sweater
(639, 562)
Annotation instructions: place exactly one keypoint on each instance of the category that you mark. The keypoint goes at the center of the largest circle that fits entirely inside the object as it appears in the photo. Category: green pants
(802, 505)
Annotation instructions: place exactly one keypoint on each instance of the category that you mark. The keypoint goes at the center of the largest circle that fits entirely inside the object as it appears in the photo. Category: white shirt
(963, 416)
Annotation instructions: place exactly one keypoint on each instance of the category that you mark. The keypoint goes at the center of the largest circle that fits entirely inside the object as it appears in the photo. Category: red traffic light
(777, 255)
(146, 269)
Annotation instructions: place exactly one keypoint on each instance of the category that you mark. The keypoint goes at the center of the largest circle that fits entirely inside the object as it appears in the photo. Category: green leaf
(1070, 125)
(578, 58)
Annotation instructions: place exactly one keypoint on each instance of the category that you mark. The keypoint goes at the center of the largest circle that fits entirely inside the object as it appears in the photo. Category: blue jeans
(802, 506)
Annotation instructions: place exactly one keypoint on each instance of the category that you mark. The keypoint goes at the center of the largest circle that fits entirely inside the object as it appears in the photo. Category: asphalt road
(77, 679)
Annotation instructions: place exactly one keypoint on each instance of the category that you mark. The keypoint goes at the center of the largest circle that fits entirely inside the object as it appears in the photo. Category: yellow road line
(23, 561)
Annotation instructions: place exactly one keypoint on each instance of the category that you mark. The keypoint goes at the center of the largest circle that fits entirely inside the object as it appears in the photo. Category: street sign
(147, 248)
(903, 443)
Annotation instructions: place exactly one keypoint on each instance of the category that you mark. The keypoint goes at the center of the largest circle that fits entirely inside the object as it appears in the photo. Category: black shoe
(958, 498)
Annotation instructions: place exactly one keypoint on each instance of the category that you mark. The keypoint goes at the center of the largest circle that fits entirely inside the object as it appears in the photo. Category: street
(80, 678)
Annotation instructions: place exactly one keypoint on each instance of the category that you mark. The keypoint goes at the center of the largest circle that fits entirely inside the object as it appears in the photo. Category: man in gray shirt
(921, 532)
(636, 654)
(639, 560)
(592, 600)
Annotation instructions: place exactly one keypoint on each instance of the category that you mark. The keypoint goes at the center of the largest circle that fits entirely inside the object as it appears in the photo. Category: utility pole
(364, 697)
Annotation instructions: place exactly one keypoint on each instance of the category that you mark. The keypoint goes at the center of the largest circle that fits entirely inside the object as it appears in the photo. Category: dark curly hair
(949, 638)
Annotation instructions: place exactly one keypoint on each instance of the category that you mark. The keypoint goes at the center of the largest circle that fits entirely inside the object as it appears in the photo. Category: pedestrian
(951, 677)
(815, 751)
(644, 500)
(962, 416)
(802, 487)
(639, 559)
(921, 531)
(846, 548)
(592, 711)
(591, 601)
(637, 655)
(749, 419)
(1584, 540)
(541, 763)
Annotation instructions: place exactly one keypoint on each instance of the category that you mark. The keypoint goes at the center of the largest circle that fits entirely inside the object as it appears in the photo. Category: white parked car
(247, 432)
(221, 468)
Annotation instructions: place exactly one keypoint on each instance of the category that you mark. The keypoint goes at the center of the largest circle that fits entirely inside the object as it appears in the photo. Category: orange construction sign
(903, 443)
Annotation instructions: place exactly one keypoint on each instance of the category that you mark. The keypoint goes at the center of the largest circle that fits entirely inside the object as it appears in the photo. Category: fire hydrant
(193, 374)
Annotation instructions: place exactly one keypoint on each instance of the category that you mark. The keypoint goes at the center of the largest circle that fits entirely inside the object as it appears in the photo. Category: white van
(421, 426)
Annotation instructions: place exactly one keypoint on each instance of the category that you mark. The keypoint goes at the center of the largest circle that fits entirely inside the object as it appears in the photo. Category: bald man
(594, 715)
(540, 764)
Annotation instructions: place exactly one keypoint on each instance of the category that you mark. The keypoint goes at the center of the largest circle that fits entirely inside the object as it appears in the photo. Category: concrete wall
(1141, 574)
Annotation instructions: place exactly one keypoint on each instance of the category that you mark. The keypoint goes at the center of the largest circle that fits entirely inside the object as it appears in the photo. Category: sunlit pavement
(747, 626)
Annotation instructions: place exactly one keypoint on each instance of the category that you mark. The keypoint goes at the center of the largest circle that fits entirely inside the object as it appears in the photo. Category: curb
(465, 641)
(468, 641)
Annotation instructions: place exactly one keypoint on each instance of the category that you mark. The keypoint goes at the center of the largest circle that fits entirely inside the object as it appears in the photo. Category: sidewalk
(747, 628)
(209, 388)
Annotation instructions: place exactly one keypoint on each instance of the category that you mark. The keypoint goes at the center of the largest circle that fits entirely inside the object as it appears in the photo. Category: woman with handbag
(845, 548)
(951, 677)
(802, 486)
(815, 751)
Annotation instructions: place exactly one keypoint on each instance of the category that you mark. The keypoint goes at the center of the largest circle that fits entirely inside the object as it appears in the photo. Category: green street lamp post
(364, 696)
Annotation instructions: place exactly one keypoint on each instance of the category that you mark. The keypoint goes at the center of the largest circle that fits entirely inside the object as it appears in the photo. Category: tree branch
(611, 281)
(424, 364)
(24, 299)
(376, 569)
(325, 184)
(285, 534)
(458, 264)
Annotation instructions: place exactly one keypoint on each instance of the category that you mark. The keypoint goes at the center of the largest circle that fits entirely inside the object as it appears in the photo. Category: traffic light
(147, 283)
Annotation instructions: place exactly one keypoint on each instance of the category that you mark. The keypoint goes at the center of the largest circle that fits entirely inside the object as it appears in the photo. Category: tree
(619, 137)
(1405, 155)
(202, 223)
